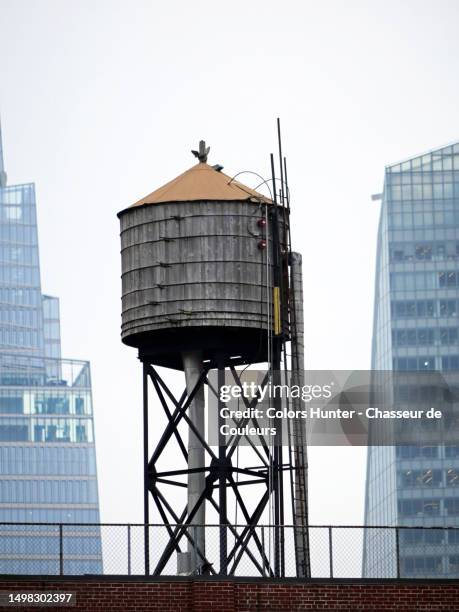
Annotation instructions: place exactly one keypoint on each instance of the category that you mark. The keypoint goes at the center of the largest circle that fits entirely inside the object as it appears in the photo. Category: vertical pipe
(222, 477)
(146, 510)
(281, 169)
(287, 195)
(275, 367)
(300, 474)
(192, 364)
(278, 480)
(284, 200)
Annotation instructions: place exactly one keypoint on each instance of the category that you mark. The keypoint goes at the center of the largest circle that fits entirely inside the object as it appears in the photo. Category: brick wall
(245, 596)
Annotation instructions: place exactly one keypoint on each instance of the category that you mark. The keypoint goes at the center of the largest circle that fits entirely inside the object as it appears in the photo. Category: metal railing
(120, 549)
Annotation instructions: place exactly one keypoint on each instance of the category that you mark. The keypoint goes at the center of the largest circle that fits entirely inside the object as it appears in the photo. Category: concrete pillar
(192, 364)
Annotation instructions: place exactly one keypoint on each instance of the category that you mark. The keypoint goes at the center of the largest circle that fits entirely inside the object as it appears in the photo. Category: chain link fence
(171, 550)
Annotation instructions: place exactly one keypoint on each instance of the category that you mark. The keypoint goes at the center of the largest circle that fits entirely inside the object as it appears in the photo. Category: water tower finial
(202, 153)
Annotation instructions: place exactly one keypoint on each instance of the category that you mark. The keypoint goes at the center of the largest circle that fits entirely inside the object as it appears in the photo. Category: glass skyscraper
(416, 329)
(47, 453)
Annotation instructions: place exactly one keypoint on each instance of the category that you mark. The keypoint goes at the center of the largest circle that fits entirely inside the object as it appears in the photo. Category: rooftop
(425, 160)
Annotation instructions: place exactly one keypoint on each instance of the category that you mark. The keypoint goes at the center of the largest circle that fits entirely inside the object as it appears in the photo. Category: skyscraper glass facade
(47, 452)
(416, 329)
(20, 292)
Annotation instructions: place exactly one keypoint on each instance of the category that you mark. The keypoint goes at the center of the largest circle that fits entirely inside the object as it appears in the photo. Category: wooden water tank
(194, 270)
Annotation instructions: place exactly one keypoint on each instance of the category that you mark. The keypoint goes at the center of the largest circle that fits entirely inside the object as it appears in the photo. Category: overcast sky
(101, 102)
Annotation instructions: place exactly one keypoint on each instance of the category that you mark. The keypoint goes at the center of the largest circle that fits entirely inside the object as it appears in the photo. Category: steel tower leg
(222, 478)
(192, 364)
(146, 457)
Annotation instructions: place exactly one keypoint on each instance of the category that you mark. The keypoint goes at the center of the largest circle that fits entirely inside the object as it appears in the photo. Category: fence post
(397, 550)
(147, 549)
(263, 548)
(194, 555)
(330, 549)
(129, 548)
(61, 550)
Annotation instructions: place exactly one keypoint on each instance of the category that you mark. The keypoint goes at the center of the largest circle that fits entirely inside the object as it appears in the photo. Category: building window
(448, 308)
(81, 433)
(423, 252)
(420, 478)
(453, 563)
(419, 507)
(413, 452)
(11, 405)
(13, 213)
(423, 336)
(448, 335)
(450, 362)
(14, 433)
(448, 279)
(412, 308)
(452, 477)
(421, 565)
(44, 404)
(412, 364)
(412, 537)
(452, 506)
(79, 405)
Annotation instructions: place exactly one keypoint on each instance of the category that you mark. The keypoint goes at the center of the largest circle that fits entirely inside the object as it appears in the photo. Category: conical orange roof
(202, 182)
